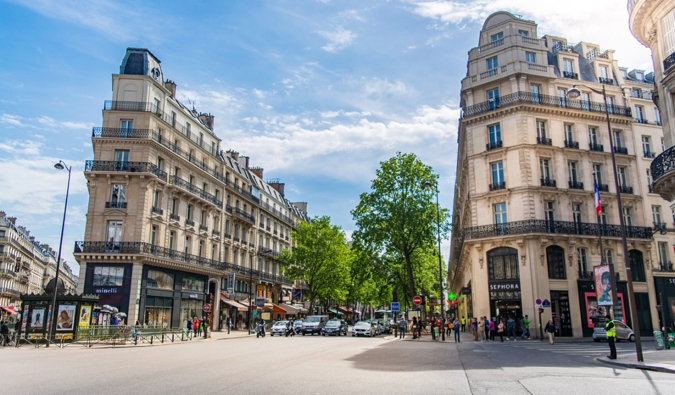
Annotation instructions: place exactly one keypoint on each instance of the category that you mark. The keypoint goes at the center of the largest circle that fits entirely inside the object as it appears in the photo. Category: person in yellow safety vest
(463, 324)
(610, 329)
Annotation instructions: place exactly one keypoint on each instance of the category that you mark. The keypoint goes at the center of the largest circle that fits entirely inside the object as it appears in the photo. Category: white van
(314, 324)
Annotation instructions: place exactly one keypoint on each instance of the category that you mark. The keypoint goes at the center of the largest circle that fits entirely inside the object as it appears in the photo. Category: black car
(335, 327)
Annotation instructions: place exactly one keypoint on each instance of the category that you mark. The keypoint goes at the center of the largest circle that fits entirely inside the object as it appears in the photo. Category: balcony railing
(603, 187)
(641, 120)
(119, 205)
(189, 222)
(555, 227)
(126, 167)
(495, 145)
(121, 133)
(521, 97)
(23, 279)
(668, 62)
(174, 217)
(586, 275)
(666, 267)
(494, 187)
(203, 228)
(268, 252)
(664, 163)
(246, 194)
(186, 185)
(620, 150)
(544, 141)
(571, 75)
(571, 144)
(9, 292)
(278, 213)
(606, 81)
(547, 182)
(7, 273)
(626, 189)
(596, 147)
(157, 211)
(575, 185)
(228, 208)
(102, 247)
(649, 154)
(243, 214)
(215, 233)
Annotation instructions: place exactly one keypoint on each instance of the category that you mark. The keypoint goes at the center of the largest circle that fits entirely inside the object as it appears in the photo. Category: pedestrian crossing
(590, 350)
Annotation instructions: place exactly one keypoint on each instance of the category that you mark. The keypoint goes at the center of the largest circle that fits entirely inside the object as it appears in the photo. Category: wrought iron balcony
(7, 273)
(278, 213)
(493, 145)
(603, 187)
(547, 182)
(157, 211)
(203, 228)
(648, 154)
(119, 205)
(190, 223)
(267, 228)
(544, 141)
(571, 75)
(23, 279)
(12, 293)
(275, 232)
(606, 81)
(555, 227)
(126, 167)
(246, 194)
(243, 214)
(666, 267)
(102, 247)
(174, 217)
(620, 150)
(626, 189)
(268, 252)
(228, 235)
(215, 233)
(228, 208)
(575, 185)
(596, 147)
(668, 62)
(236, 239)
(664, 163)
(586, 275)
(186, 185)
(244, 243)
(641, 120)
(571, 144)
(522, 97)
(212, 171)
(494, 187)
(120, 133)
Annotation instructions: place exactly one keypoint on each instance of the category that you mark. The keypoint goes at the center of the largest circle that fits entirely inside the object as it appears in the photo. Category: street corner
(651, 366)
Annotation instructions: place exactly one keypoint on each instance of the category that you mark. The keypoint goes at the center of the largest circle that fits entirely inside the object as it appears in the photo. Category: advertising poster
(230, 283)
(85, 315)
(603, 285)
(65, 317)
(37, 319)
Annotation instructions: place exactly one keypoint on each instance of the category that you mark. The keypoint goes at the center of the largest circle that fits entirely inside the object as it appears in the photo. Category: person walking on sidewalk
(550, 329)
(456, 327)
(492, 329)
(526, 328)
(511, 328)
(413, 327)
(474, 328)
(610, 329)
(481, 329)
(401, 328)
(229, 325)
(463, 324)
(500, 330)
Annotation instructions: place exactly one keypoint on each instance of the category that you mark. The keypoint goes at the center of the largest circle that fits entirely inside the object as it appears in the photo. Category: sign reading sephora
(509, 286)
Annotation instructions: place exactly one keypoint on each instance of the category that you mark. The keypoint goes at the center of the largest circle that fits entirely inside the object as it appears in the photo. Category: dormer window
(640, 75)
(523, 33)
(497, 36)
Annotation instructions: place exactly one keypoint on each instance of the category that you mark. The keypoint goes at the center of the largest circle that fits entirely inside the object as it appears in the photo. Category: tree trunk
(411, 280)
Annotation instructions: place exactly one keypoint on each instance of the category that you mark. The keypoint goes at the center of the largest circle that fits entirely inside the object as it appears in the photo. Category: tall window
(497, 173)
(153, 235)
(610, 104)
(500, 213)
(637, 266)
(574, 175)
(650, 180)
(190, 212)
(657, 116)
(493, 98)
(549, 212)
(530, 57)
(201, 248)
(555, 258)
(664, 259)
(582, 260)
(562, 97)
(576, 213)
(623, 180)
(656, 216)
(668, 27)
(586, 101)
(118, 193)
(545, 169)
(186, 248)
(127, 125)
(541, 130)
(627, 218)
(495, 134)
(647, 145)
(121, 158)
(173, 119)
(174, 206)
(609, 257)
(503, 264)
(497, 36)
(597, 174)
(604, 72)
(172, 240)
(569, 132)
(639, 113)
(492, 63)
(618, 142)
(114, 235)
(535, 90)
(568, 66)
(155, 105)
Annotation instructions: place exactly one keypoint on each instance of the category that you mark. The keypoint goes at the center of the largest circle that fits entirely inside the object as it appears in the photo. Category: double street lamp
(440, 263)
(59, 166)
(574, 93)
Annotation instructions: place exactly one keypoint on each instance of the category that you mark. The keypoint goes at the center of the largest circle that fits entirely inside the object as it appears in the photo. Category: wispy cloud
(42, 122)
(337, 40)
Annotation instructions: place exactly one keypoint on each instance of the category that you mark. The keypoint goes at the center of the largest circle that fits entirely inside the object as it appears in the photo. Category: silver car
(623, 331)
(363, 328)
(279, 328)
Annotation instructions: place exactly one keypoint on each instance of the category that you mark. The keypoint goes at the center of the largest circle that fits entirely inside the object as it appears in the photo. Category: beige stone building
(26, 265)
(174, 222)
(524, 213)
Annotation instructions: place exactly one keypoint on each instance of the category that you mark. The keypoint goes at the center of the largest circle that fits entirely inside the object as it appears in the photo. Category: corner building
(171, 216)
(524, 212)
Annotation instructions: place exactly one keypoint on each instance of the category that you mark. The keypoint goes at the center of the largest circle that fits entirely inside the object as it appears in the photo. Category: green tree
(398, 215)
(320, 259)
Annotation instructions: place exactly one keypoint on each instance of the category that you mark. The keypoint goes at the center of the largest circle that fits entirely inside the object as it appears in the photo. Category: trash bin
(671, 339)
(658, 336)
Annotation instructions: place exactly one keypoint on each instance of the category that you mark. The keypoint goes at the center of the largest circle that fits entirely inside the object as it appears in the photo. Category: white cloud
(337, 40)
(11, 119)
(52, 123)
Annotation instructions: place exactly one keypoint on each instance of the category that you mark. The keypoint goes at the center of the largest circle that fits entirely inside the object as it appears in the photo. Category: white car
(623, 331)
(363, 328)
(279, 328)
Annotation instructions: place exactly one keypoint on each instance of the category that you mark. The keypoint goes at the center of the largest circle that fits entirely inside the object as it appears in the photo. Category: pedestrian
(457, 326)
(440, 324)
(463, 324)
(4, 333)
(401, 328)
(500, 330)
(526, 328)
(413, 327)
(610, 330)
(511, 328)
(481, 328)
(474, 328)
(492, 329)
(189, 326)
(550, 329)
(195, 325)
(486, 324)
(449, 327)
(432, 326)
(229, 325)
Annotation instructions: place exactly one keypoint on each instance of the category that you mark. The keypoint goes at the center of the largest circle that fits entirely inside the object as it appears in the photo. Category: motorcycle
(290, 331)
(260, 330)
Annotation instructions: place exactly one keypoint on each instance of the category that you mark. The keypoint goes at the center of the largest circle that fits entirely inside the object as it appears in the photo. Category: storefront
(111, 282)
(591, 312)
(504, 283)
(170, 297)
(665, 295)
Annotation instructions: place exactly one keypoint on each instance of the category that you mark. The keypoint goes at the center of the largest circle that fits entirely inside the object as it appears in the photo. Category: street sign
(395, 306)
(417, 300)
(466, 290)
(260, 302)
(546, 303)
(207, 307)
(538, 303)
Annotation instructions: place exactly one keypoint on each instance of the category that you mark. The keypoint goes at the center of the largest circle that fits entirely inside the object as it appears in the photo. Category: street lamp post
(573, 94)
(440, 264)
(59, 166)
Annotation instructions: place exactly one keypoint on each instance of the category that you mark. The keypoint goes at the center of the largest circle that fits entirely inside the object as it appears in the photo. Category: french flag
(598, 203)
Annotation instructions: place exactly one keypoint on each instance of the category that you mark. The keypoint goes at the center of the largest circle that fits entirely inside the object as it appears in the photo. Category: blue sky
(317, 92)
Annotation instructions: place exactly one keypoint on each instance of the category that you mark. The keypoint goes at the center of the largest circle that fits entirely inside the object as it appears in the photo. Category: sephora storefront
(170, 297)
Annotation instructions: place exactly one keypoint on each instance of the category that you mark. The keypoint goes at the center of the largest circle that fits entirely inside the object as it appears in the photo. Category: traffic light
(452, 296)
(541, 310)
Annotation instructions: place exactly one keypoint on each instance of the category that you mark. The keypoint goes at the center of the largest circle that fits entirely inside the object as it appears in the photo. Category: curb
(638, 365)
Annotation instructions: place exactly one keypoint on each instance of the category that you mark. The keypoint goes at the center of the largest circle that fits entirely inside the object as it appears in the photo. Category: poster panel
(37, 318)
(65, 317)
(605, 293)
(85, 315)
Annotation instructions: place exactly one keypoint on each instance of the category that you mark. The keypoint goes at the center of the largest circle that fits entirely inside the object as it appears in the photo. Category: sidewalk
(660, 361)
(222, 335)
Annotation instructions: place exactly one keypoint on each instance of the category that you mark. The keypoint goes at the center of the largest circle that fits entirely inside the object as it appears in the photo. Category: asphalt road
(318, 365)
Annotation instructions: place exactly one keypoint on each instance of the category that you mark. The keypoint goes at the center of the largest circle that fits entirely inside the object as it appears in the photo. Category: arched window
(503, 264)
(555, 257)
(637, 266)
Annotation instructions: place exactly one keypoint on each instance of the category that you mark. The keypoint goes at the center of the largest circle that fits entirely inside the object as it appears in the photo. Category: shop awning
(274, 309)
(289, 309)
(9, 310)
(345, 310)
(234, 304)
(333, 311)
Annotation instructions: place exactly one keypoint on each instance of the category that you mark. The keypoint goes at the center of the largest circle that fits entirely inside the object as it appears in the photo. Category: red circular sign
(207, 307)
(417, 300)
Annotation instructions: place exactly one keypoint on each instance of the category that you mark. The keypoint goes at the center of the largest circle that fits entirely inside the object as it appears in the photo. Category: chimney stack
(243, 161)
(278, 185)
(12, 220)
(233, 154)
(258, 171)
(171, 86)
(207, 119)
(302, 206)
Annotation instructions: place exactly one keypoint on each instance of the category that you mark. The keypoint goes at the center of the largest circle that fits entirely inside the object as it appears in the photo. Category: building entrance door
(560, 310)
(506, 309)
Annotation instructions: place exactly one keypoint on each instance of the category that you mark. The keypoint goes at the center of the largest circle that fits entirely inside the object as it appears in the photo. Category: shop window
(503, 264)
(637, 266)
(555, 257)
(158, 311)
(191, 283)
(108, 276)
(159, 279)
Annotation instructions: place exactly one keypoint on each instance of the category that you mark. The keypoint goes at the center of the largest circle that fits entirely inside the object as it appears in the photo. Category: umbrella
(123, 315)
(107, 308)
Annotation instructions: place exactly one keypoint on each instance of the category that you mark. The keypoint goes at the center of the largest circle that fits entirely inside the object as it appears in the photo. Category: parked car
(376, 325)
(385, 325)
(314, 324)
(335, 327)
(278, 328)
(363, 328)
(298, 326)
(623, 331)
